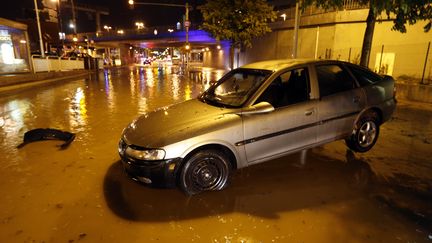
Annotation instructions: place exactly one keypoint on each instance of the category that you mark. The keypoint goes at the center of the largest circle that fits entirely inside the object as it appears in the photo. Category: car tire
(365, 133)
(206, 170)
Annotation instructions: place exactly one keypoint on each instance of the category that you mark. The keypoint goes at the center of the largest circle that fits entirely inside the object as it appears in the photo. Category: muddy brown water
(81, 194)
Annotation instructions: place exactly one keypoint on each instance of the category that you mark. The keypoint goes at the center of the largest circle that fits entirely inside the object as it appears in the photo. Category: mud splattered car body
(253, 114)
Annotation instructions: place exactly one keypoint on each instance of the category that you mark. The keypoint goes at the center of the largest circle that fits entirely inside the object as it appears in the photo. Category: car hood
(177, 122)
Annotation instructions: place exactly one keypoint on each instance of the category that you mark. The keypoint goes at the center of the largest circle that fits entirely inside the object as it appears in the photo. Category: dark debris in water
(82, 235)
(40, 134)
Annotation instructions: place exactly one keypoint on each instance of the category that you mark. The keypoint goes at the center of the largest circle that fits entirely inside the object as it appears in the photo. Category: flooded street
(81, 194)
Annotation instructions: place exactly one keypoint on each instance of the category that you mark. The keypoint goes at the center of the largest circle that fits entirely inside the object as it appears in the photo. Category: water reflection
(175, 86)
(188, 92)
(149, 79)
(12, 121)
(264, 190)
(207, 76)
(96, 108)
(109, 91)
(78, 110)
(132, 83)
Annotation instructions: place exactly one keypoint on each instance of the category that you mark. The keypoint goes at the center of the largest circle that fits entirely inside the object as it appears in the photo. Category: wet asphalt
(80, 194)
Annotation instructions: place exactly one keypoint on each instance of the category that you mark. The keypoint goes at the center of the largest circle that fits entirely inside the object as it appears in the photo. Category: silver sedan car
(253, 114)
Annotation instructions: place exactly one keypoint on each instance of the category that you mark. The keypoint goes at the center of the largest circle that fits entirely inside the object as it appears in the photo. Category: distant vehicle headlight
(145, 154)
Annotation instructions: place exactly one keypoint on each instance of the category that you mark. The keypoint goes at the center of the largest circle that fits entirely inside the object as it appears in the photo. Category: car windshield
(235, 88)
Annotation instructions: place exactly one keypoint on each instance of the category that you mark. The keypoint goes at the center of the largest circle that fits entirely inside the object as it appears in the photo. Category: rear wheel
(365, 133)
(206, 170)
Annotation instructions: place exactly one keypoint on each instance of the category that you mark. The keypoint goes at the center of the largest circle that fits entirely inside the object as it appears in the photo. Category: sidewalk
(12, 82)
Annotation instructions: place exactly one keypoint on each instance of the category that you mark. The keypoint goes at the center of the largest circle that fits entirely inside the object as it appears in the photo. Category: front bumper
(160, 173)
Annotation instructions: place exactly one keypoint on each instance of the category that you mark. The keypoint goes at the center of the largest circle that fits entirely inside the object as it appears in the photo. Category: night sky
(121, 16)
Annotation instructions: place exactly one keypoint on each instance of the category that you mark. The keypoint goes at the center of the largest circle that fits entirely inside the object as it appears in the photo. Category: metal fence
(289, 13)
(409, 62)
(52, 63)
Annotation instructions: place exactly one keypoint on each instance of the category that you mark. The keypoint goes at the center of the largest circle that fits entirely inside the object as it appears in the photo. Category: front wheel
(365, 133)
(206, 170)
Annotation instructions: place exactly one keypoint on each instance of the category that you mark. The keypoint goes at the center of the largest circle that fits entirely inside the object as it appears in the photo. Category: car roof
(276, 65)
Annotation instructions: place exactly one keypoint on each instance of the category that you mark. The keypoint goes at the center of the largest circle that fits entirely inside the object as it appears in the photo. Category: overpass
(204, 49)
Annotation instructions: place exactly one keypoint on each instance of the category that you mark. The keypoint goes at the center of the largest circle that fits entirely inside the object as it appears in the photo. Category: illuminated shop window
(13, 50)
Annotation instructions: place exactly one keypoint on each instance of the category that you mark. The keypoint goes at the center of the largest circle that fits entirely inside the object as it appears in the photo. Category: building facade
(14, 47)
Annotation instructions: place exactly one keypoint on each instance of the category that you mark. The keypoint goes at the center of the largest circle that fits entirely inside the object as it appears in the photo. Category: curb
(9, 89)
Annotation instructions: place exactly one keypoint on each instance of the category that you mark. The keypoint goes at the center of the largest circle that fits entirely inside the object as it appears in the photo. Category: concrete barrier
(414, 92)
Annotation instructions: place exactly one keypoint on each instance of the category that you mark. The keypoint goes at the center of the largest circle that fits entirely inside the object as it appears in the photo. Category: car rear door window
(333, 79)
(364, 76)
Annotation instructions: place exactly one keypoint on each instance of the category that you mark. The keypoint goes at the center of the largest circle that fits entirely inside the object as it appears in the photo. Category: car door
(291, 126)
(341, 100)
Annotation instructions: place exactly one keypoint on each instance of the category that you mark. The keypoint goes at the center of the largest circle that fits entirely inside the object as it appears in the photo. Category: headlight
(145, 154)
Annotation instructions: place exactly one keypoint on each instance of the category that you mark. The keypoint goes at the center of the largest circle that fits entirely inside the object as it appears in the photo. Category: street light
(59, 20)
(139, 25)
(39, 30)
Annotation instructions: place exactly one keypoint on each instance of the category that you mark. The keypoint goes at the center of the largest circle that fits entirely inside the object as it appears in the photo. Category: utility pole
(187, 24)
(296, 28)
(73, 16)
(39, 30)
(60, 22)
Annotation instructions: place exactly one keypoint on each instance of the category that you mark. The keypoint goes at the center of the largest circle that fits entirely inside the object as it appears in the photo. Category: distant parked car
(253, 114)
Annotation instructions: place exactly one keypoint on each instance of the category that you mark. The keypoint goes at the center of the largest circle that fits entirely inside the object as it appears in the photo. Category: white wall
(343, 33)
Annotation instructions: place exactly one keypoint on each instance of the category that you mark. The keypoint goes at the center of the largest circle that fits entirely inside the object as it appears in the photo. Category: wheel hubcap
(206, 174)
(367, 134)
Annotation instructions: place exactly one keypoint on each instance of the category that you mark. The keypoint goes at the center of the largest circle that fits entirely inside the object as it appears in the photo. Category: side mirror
(260, 108)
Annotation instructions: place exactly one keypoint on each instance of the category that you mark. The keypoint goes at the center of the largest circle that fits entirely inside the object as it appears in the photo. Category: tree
(238, 21)
(401, 11)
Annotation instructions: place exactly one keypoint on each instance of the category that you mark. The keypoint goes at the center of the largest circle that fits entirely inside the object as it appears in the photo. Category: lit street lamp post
(73, 17)
(39, 30)
(60, 24)
(296, 29)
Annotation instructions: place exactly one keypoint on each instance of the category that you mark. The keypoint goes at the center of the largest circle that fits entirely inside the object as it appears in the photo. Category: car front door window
(289, 88)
